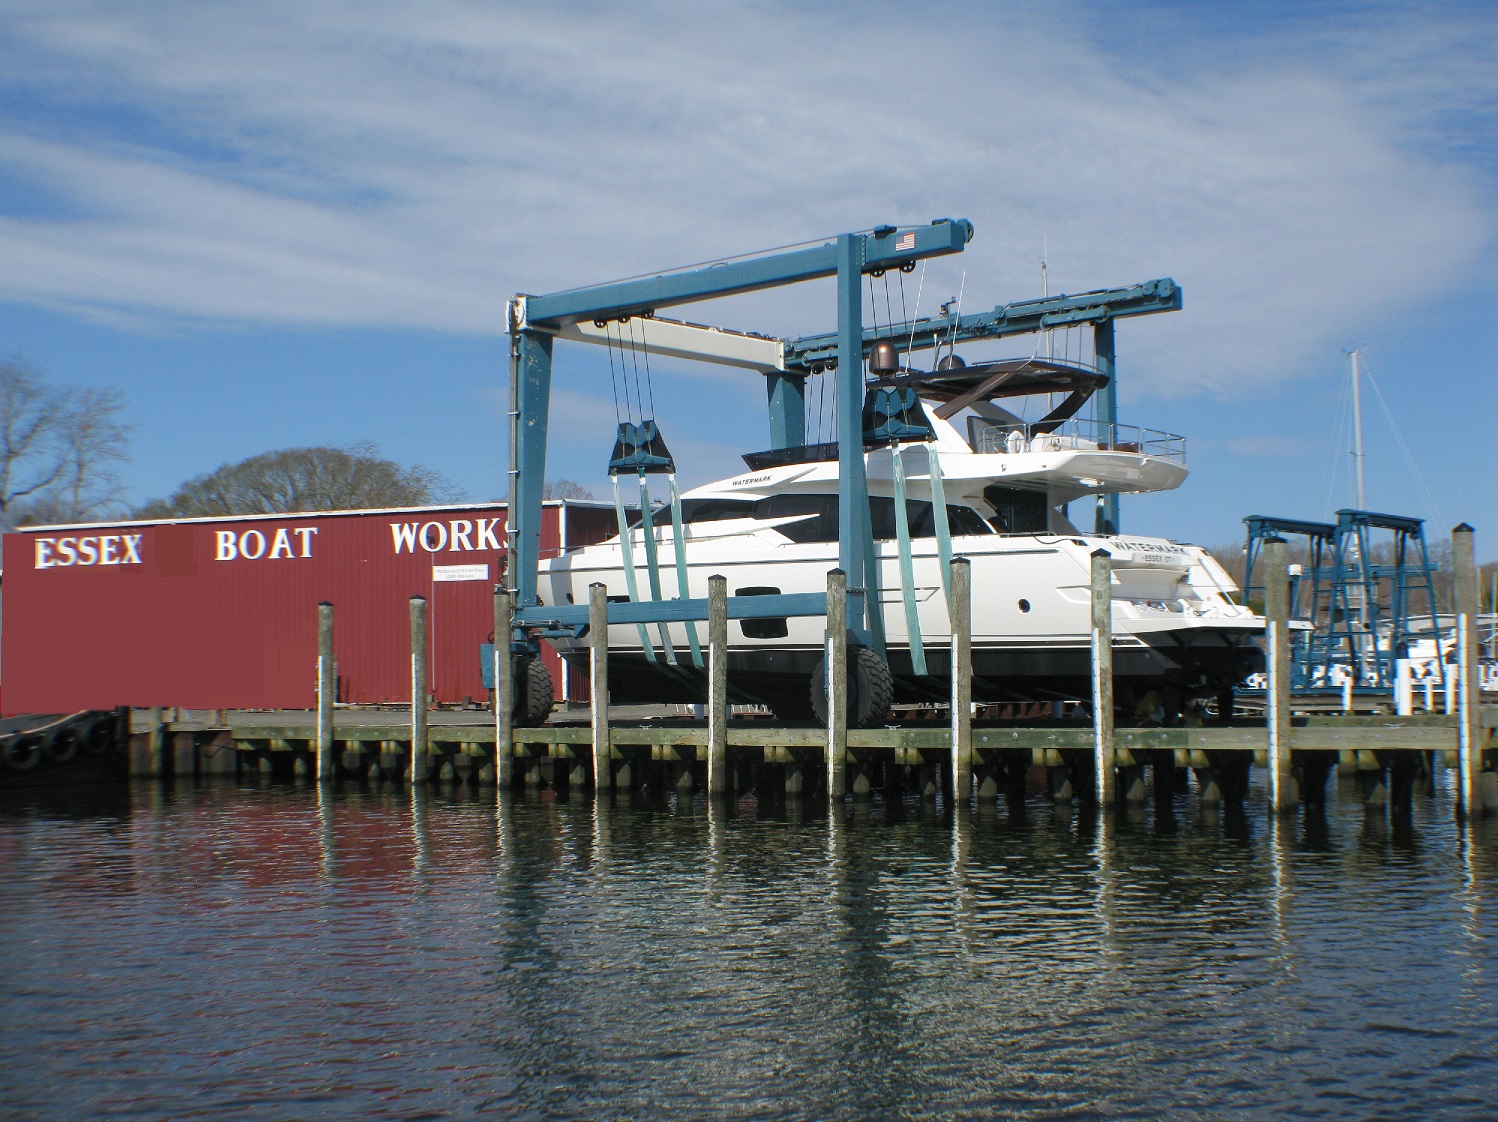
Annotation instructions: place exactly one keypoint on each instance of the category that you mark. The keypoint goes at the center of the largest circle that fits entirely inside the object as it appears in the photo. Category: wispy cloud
(377, 164)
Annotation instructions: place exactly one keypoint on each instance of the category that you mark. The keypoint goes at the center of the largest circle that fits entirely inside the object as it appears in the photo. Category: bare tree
(299, 479)
(564, 489)
(59, 448)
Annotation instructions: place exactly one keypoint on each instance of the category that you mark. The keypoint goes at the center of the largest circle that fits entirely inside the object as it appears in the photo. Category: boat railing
(1079, 434)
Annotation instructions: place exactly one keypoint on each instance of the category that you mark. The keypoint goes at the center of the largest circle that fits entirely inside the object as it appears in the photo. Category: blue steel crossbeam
(1024, 317)
(883, 248)
(535, 319)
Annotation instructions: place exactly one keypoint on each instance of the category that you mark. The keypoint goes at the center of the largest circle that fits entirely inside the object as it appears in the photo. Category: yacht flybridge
(923, 465)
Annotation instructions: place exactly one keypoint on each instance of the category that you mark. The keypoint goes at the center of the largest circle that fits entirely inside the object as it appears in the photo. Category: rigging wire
(910, 346)
(645, 348)
(1425, 491)
(613, 381)
(1329, 470)
(634, 360)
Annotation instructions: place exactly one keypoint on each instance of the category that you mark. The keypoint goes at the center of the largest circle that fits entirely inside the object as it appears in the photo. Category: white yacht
(1008, 487)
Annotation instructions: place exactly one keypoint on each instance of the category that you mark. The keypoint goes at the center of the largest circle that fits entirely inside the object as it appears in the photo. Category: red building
(217, 613)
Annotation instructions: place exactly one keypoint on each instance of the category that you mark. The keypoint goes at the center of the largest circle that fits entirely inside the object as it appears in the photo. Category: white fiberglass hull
(1175, 626)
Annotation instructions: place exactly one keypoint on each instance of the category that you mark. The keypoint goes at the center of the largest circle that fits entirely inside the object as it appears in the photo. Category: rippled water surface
(239, 952)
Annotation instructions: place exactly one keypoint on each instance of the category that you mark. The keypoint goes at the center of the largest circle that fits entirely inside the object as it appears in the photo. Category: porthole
(1024, 605)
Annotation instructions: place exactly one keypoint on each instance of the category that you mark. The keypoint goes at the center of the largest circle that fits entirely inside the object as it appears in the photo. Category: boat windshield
(819, 516)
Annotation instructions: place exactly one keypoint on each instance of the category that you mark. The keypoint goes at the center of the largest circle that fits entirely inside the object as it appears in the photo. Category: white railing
(1077, 434)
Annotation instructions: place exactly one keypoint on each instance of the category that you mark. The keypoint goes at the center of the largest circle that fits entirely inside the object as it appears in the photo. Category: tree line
(62, 450)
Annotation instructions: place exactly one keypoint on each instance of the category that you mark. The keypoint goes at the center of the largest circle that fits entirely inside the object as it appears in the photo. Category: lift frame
(536, 322)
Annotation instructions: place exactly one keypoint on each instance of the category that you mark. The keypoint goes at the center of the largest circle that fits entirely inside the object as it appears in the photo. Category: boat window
(822, 527)
(819, 521)
(1017, 511)
(715, 510)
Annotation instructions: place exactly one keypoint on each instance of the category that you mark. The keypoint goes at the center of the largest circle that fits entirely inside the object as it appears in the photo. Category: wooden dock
(1388, 753)
(958, 760)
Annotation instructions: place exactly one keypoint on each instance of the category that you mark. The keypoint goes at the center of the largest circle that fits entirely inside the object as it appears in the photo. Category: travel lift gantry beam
(535, 321)
(573, 316)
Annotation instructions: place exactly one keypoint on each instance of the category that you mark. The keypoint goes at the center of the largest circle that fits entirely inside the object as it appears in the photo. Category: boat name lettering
(253, 545)
(105, 549)
(459, 535)
(1151, 547)
(748, 479)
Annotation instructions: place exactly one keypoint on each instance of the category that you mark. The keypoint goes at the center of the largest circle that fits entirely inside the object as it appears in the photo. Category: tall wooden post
(504, 689)
(1468, 711)
(717, 686)
(1277, 656)
(836, 662)
(418, 689)
(327, 692)
(1105, 762)
(961, 584)
(598, 686)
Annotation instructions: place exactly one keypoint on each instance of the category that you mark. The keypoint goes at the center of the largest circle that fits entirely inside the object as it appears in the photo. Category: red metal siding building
(222, 612)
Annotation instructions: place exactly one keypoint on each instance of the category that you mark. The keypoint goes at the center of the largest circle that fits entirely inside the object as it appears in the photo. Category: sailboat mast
(1045, 287)
(1357, 432)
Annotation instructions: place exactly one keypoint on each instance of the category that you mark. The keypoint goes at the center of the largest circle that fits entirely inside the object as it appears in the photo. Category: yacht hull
(1174, 627)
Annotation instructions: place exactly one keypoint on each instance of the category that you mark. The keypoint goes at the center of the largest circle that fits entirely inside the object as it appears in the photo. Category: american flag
(905, 241)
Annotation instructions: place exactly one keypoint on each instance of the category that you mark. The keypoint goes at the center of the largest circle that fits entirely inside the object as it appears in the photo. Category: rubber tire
(62, 745)
(99, 737)
(21, 753)
(533, 693)
(871, 689)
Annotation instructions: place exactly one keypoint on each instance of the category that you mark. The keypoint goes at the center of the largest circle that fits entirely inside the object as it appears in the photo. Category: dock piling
(961, 584)
(327, 693)
(1105, 760)
(598, 686)
(419, 742)
(1468, 709)
(717, 686)
(1282, 795)
(836, 685)
(504, 689)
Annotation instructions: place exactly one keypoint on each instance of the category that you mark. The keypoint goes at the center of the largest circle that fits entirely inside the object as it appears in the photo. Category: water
(226, 952)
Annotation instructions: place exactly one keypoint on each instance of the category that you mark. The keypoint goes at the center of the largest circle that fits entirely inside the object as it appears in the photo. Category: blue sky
(281, 224)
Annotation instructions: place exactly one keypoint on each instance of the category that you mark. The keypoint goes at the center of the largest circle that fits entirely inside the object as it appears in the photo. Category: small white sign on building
(460, 572)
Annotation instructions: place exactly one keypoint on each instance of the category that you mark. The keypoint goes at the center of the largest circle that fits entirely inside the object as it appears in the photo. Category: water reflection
(286, 951)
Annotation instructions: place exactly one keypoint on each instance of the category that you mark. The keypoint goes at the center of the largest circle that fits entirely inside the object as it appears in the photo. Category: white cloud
(383, 165)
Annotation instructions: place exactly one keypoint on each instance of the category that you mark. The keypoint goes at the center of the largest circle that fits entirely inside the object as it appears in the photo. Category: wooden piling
(1277, 656)
(504, 689)
(717, 686)
(961, 584)
(1104, 758)
(598, 686)
(327, 693)
(1468, 711)
(419, 743)
(836, 662)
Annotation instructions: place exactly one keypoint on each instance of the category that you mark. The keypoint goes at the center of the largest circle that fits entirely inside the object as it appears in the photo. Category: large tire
(871, 689)
(21, 753)
(99, 736)
(62, 745)
(533, 693)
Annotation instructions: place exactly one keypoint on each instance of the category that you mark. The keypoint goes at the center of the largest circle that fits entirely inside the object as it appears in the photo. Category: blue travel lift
(1360, 611)
(584, 315)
